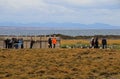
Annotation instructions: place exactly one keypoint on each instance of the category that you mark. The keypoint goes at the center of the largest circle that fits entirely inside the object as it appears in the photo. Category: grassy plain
(87, 41)
(59, 64)
(111, 43)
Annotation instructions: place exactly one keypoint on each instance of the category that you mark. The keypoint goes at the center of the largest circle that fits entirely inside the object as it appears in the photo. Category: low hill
(56, 26)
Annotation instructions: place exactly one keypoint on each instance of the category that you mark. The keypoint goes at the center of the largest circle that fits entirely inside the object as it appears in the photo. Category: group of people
(94, 43)
(19, 43)
(14, 43)
(52, 42)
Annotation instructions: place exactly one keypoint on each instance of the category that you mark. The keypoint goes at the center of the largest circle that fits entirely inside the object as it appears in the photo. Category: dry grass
(87, 41)
(74, 41)
(59, 64)
(115, 41)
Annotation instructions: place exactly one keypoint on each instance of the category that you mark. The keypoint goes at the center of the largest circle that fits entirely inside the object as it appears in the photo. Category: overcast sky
(61, 11)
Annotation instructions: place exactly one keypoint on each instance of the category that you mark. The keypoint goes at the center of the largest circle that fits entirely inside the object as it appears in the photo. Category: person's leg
(97, 46)
(17, 46)
(21, 46)
(54, 45)
(30, 46)
(6, 45)
(50, 45)
(10, 45)
(105, 46)
(94, 46)
(102, 46)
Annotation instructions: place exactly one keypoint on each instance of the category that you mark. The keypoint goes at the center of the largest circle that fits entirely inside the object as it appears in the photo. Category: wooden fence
(40, 41)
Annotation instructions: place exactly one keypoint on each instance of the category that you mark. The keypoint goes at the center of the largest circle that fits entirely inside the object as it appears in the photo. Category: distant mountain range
(55, 26)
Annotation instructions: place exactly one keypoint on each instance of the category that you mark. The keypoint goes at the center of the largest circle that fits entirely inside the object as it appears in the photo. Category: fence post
(46, 41)
(59, 42)
(35, 45)
(26, 41)
(3, 42)
(40, 41)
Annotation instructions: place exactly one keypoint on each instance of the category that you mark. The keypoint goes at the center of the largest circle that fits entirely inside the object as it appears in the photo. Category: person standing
(92, 42)
(31, 43)
(50, 42)
(96, 43)
(16, 42)
(54, 41)
(10, 43)
(6, 43)
(21, 43)
(104, 43)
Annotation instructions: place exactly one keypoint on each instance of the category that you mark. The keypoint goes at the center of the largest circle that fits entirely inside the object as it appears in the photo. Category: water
(64, 32)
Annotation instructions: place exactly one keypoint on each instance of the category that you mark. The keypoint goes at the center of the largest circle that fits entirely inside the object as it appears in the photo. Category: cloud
(80, 11)
(87, 3)
(12, 6)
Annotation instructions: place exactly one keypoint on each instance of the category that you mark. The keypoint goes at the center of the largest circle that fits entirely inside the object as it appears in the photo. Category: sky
(60, 11)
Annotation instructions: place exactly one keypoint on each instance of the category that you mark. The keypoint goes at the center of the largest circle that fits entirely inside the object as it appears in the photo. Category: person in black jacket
(10, 43)
(96, 43)
(50, 42)
(104, 43)
(6, 41)
(31, 43)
